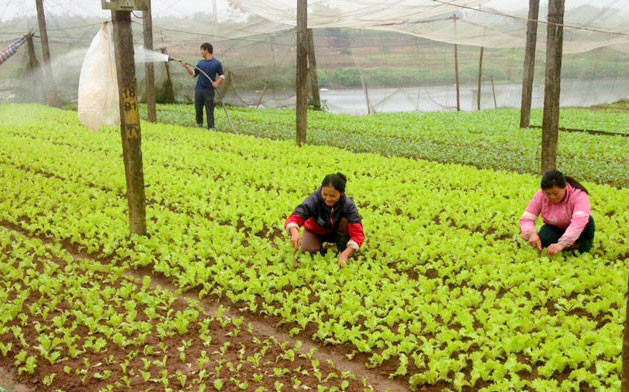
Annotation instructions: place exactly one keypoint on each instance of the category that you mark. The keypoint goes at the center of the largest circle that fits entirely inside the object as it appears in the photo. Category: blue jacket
(213, 68)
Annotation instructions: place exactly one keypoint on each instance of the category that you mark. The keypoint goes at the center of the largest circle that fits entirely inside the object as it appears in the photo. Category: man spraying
(204, 92)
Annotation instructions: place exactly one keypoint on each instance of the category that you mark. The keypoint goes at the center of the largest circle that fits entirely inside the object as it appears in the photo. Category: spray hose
(170, 58)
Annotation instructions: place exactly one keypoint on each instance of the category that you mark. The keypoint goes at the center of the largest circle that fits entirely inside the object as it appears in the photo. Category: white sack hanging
(98, 84)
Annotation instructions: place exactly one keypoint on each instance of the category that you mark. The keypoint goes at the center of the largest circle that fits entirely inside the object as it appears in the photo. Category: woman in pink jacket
(565, 208)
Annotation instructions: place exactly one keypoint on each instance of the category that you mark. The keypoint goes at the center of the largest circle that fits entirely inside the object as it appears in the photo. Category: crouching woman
(327, 216)
(565, 208)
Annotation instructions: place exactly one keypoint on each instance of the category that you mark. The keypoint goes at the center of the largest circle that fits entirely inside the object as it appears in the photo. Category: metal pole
(130, 121)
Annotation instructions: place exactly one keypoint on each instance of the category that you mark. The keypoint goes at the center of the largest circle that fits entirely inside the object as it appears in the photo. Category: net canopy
(486, 23)
(372, 56)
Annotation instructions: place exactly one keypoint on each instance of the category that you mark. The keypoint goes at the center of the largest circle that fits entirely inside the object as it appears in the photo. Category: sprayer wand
(170, 58)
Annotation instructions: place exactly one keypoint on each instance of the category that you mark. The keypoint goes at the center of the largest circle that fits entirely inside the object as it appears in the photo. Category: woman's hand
(535, 242)
(295, 261)
(345, 256)
(295, 238)
(554, 249)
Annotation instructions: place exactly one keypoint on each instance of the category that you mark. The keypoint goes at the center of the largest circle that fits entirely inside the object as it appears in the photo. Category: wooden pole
(34, 93)
(312, 71)
(529, 65)
(169, 94)
(51, 93)
(227, 83)
(370, 109)
(625, 351)
(480, 76)
(302, 70)
(456, 70)
(554, 50)
(130, 121)
(32, 57)
(149, 67)
(215, 21)
(493, 90)
(261, 96)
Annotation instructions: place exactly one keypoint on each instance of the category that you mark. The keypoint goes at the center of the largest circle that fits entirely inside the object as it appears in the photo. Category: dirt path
(8, 383)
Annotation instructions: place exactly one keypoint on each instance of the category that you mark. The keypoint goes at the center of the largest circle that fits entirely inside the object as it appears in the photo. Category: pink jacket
(572, 214)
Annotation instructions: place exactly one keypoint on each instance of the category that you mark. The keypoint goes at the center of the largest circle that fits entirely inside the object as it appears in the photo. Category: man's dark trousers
(204, 97)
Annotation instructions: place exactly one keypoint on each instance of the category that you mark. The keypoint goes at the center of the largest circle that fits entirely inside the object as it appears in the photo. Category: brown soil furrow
(380, 382)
